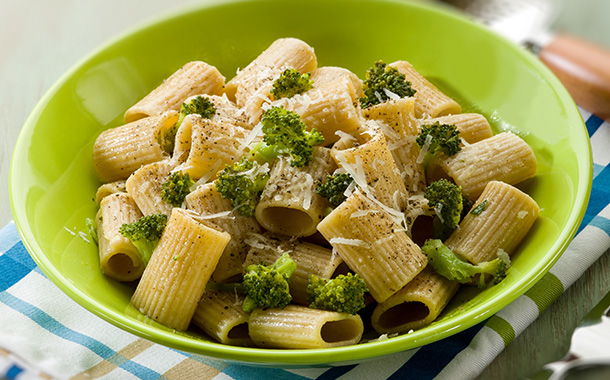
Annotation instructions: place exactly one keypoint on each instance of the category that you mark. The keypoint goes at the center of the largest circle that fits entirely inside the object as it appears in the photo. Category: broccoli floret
(291, 83)
(200, 105)
(285, 133)
(344, 294)
(268, 285)
(176, 188)
(334, 186)
(242, 183)
(447, 200)
(145, 233)
(437, 139)
(453, 267)
(381, 78)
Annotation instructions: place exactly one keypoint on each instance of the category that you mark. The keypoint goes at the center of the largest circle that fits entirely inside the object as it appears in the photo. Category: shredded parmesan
(70, 231)
(353, 242)
(378, 96)
(356, 171)
(424, 149)
(438, 208)
(223, 214)
(522, 214)
(84, 236)
(309, 184)
(344, 138)
(359, 213)
(391, 95)
(257, 131)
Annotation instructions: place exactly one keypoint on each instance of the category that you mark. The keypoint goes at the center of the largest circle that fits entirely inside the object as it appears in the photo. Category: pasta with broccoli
(293, 204)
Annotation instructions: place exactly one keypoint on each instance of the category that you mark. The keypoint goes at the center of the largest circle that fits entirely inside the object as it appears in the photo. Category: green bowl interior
(53, 181)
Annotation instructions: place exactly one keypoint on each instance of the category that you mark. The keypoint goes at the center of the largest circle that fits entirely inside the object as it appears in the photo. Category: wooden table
(40, 40)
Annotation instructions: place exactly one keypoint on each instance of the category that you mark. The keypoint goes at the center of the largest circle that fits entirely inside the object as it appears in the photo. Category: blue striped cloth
(46, 335)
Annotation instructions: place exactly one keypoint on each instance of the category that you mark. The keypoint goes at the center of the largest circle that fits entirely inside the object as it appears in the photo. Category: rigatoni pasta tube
(209, 204)
(373, 168)
(221, 316)
(228, 112)
(373, 245)
(504, 157)
(191, 79)
(328, 108)
(325, 75)
(145, 187)
(109, 188)
(255, 90)
(429, 100)
(472, 127)
(181, 265)
(416, 305)
(282, 53)
(310, 259)
(397, 122)
(301, 327)
(290, 205)
(203, 147)
(120, 151)
(506, 215)
(119, 258)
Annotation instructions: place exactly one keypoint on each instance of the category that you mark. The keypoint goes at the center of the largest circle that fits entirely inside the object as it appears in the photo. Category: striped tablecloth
(46, 335)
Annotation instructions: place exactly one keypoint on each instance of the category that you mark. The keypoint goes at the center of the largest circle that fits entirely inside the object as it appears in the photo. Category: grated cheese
(359, 213)
(257, 131)
(424, 149)
(391, 94)
(309, 184)
(352, 242)
(222, 214)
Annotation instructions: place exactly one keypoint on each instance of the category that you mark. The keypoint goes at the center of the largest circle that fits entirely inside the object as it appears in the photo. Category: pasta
(336, 182)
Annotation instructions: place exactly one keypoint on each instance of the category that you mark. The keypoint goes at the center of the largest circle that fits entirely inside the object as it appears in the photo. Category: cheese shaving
(344, 138)
(352, 242)
(360, 213)
(391, 95)
(438, 208)
(84, 236)
(309, 184)
(223, 214)
(257, 131)
(424, 149)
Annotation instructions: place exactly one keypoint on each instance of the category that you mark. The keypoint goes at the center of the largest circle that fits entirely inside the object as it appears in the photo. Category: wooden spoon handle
(584, 69)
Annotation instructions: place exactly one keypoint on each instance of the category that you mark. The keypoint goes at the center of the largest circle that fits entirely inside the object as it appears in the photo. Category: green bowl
(53, 180)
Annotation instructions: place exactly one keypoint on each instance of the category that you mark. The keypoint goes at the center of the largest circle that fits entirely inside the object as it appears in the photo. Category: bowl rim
(299, 357)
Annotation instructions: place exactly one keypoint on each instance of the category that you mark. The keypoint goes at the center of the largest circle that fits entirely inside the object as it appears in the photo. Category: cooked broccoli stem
(285, 133)
(453, 267)
(291, 83)
(145, 233)
(176, 188)
(334, 186)
(242, 183)
(268, 285)
(200, 105)
(380, 79)
(344, 294)
(438, 139)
